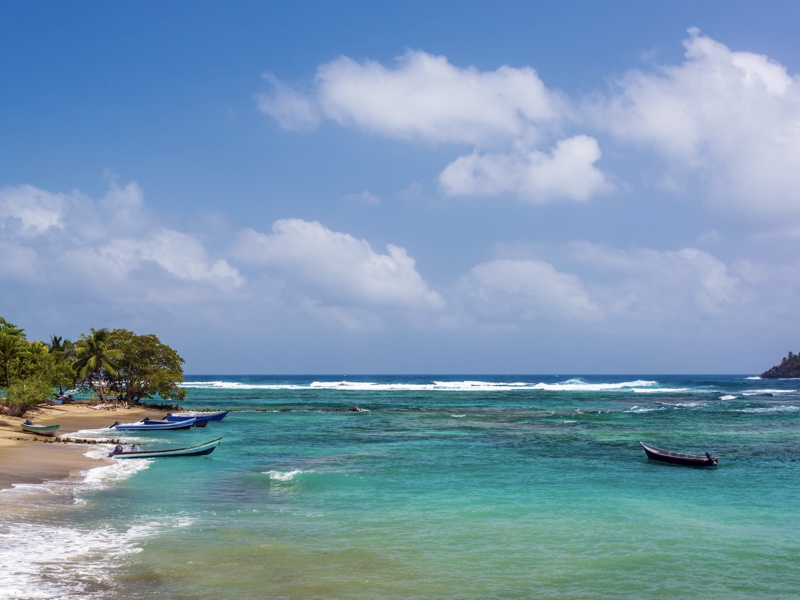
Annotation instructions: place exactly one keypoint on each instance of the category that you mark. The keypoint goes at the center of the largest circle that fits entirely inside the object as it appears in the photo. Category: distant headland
(788, 369)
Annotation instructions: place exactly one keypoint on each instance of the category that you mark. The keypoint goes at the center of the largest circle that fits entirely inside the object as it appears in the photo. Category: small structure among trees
(116, 364)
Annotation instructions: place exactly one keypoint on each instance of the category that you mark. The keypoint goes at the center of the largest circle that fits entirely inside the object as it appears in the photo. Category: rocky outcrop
(788, 369)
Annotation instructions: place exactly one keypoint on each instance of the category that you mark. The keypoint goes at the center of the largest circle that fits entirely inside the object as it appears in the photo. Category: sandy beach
(31, 458)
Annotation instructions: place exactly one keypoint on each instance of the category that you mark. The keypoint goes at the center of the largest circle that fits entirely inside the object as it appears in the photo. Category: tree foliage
(95, 359)
(788, 369)
(136, 367)
(11, 348)
(146, 367)
(25, 394)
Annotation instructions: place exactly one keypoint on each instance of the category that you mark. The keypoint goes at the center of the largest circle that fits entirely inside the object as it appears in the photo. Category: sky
(362, 187)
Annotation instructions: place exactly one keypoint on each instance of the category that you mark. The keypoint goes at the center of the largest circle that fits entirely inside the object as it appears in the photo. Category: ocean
(490, 486)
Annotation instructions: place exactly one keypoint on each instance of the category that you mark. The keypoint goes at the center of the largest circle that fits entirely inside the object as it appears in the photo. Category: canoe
(151, 425)
(213, 416)
(199, 450)
(676, 458)
(48, 430)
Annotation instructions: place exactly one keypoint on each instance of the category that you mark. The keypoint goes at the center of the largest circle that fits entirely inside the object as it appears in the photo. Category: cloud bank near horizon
(51, 241)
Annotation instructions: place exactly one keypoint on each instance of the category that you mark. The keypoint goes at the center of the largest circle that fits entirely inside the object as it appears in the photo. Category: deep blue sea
(479, 486)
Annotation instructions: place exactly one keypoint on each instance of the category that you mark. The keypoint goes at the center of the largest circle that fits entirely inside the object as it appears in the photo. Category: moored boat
(200, 420)
(48, 430)
(677, 458)
(198, 450)
(213, 416)
(148, 424)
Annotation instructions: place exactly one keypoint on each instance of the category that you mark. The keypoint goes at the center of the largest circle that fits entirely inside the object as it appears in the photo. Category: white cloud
(101, 243)
(427, 98)
(365, 197)
(338, 267)
(290, 108)
(568, 172)
(616, 289)
(178, 254)
(650, 284)
(731, 118)
(527, 290)
(30, 210)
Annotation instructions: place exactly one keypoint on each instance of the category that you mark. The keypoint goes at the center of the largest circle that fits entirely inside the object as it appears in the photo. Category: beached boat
(184, 414)
(48, 430)
(148, 424)
(676, 458)
(199, 450)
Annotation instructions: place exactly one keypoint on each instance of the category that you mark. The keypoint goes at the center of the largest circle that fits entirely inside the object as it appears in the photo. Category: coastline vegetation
(116, 364)
(788, 369)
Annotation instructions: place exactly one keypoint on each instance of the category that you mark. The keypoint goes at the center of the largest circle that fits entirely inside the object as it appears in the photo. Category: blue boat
(188, 414)
(199, 421)
(148, 424)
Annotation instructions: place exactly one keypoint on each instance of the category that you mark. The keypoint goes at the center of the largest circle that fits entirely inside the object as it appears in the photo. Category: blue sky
(416, 187)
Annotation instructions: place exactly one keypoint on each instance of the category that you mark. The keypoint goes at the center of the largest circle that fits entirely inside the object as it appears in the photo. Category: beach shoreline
(27, 458)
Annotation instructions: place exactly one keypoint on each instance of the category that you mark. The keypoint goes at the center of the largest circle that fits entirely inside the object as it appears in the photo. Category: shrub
(23, 395)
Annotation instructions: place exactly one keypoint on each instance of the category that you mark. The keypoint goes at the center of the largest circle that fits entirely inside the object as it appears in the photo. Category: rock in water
(788, 369)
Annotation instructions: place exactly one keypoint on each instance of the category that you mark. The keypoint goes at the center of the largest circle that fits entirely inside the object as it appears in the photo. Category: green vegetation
(788, 369)
(116, 363)
(146, 367)
(94, 359)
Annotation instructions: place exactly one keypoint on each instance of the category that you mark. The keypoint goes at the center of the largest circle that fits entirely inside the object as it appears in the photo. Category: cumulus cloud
(568, 172)
(527, 290)
(655, 284)
(730, 118)
(428, 98)
(60, 237)
(606, 288)
(31, 211)
(338, 266)
(178, 254)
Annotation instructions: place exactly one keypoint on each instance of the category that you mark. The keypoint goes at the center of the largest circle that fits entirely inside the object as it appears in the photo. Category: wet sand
(30, 458)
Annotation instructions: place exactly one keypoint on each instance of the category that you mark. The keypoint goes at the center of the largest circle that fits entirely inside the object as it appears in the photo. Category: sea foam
(570, 385)
(284, 475)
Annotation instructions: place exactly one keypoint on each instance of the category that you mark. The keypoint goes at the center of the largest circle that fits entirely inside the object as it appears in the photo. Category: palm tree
(11, 346)
(56, 343)
(94, 358)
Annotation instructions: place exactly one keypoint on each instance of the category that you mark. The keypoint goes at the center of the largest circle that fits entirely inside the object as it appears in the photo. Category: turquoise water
(438, 487)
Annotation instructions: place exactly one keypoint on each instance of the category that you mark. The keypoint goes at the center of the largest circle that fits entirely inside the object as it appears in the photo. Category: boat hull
(199, 450)
(677, 458)
(154, 425)
(212, 416)
(199, 420)
(46, 430)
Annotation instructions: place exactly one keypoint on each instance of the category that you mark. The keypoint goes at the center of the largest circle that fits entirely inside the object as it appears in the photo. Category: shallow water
(439, 487)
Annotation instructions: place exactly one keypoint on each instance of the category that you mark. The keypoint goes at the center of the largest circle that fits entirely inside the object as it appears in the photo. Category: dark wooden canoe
(676, 458)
